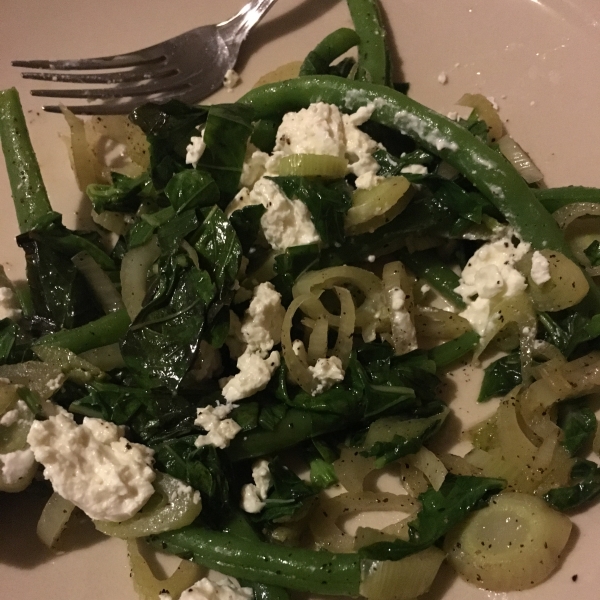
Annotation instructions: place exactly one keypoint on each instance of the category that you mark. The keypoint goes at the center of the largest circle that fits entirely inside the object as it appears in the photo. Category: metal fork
(189, 67)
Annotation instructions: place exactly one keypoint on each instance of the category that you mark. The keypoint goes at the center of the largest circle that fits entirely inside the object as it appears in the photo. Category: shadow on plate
(18, 519)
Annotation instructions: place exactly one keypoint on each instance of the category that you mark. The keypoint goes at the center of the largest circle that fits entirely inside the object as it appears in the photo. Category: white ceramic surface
(539, 60)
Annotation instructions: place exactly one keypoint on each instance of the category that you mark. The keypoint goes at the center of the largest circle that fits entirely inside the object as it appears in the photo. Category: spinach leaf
(124, 194)
(391, 166)
(147, 224)
(228, 128)
(219, 249)
(246, 222)
(168, 127)
(203, 469)
(399, 446)
(586, 488)
(162, 342)
(593, 253)
(61, 296)
(441, 510)
(287, 496)
(175, 230)
(327, 203)
(191, 188)
(290, 264)
(569, 330)
(578, 422)
(500, 377)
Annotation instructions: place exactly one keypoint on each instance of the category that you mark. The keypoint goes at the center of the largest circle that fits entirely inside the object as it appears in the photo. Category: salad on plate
(247, 352)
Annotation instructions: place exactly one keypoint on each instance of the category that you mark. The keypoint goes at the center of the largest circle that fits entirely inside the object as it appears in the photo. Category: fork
(189, 67)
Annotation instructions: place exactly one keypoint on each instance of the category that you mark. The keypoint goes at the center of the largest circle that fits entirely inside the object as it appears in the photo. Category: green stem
(296, 426)
(102, 332)
(440, 276)
(333, 46)
(448, 352)
(28, 190)
(373, 56)
(297, 569)
(488, 171)
(556, 198)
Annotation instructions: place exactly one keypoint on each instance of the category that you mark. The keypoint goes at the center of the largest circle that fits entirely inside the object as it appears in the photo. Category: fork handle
(235, 30)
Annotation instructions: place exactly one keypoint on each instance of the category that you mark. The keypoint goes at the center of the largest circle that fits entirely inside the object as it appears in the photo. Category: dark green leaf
(246, 223)
(441, 510)
(578, 422)
(586, 488)
(124, 194)
(593, 253)
(501, 377)
(191, 188)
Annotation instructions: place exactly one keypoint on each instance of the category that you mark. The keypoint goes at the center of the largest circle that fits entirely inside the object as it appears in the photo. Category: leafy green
(287, 495)
(161, 344)
(124, 194)
(500, 377)
(246, 222)
(168, 127)
(290, 264)
(191, 189)
(578, 422)
(219, 249)
(228, 128)
(593, 253)
(569, 330)
(171, 233)
(586, 488)
(328, 204)
(441, 510)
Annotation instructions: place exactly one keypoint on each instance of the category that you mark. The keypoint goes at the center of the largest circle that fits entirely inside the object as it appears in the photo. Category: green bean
(439, 275)
(102, 332)
(333, 46)
(493, 176)
(448, 352)
(373, 57)
(296, 426)
(28, 190)
(556, 198)
(297, 569)
(239, 526)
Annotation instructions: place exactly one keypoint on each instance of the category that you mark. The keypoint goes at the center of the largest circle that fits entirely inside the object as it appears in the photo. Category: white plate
(539, 60)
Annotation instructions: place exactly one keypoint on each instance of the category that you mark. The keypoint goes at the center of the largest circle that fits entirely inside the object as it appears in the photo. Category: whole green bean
(373, 57)
(28, 190)
(331, 47)
(488, 171)
(318, 572)
(101, 332)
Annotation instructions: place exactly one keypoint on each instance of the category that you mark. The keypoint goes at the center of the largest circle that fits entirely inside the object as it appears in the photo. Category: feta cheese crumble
(254, 374)
(220, 430)
(255, 494)
(230, 80)
(195, 149)
(17, 465)
(9, 305)
(540, 268)
(402, 323)
(489, 276)
(327, 372)
(214, 587)
(93, 465)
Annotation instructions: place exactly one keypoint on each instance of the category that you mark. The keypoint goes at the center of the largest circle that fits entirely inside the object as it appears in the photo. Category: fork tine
(165, 84)
(111, 77)
(131, 59)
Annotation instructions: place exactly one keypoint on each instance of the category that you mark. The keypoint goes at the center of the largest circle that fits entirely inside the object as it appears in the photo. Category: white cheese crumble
(415, 169)
(195, 149)
(254, 374)
(286, 222)
(489, 276)
(540, 268)
(16, 465)
(93, 465)
(261, 327)
(327, 372)
(442, 78)
(9, 304)
(231, 79)
(318, 129)
(214, 587)
(255, 494)
(55, 384)
(219, 430)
